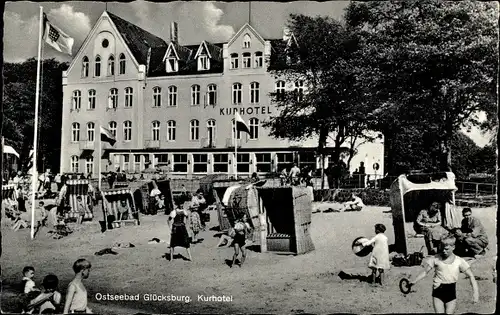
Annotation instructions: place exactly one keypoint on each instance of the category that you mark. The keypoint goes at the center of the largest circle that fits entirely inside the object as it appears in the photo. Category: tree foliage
(328, 65)
(19, 110)
(436, 66)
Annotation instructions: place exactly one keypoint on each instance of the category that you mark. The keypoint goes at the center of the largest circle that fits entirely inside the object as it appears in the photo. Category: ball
(360, 250)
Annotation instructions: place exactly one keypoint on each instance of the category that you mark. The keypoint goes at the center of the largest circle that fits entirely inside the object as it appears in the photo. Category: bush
(370, 196)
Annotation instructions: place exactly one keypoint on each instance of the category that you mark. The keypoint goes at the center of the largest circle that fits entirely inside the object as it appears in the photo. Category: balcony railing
(207, 143)
(152, 144)
(87, 145)
(230, 143)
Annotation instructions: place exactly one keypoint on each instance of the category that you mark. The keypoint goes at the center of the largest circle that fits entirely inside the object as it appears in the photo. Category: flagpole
(99, 161)
(34, 179)
(235, 150)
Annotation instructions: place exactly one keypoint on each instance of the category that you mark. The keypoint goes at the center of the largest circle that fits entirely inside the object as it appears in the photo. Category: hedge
(370, 196)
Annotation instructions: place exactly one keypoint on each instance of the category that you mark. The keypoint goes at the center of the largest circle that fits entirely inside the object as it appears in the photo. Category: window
(126, 162)
(234, 61)
(203, 62)
(280, 90)
(89, 165)
(211, 132)
(116, 161)
(129, 95)
(254, 93)
(111, 65)
(112, 127)
(74, 164)
(299, 90)
(285, 160)
(91, 104)
(97, 69)
(263, 162)
(259, 59)
(200, 163)
(195, 95)
(180, 163)
(172, 95)
(75, 132)
(155, 129)
(127, 130)
(161, 159)
(157, 96)
(122, 64)
(221, 163)
(238, 136)
(85, 67)
(172, 65)
(77, 100)
(247, 60)
(243, 163)
(194, 129)
(91, 131)
(171, 130)
(212, 94)
(307, 160)
(246, 41)
(113, 98)
(137, 163)
(236, 93)
(254, 128)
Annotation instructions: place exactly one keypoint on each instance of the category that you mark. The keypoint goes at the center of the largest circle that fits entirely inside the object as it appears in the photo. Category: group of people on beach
(295, 176)
(47, 299)
(443, 259)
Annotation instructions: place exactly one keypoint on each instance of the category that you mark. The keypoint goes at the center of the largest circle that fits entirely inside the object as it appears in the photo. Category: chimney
(286, 34)
(174, 32)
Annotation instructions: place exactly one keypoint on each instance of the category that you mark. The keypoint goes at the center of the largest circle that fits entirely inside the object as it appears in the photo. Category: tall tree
(327, 66)
(437, 64)
(19, 110)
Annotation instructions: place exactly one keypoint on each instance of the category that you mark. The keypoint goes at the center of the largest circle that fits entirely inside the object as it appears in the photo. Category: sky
(197, 21)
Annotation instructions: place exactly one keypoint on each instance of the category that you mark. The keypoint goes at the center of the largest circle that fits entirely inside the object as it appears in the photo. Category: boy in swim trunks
(447, 267)
(76, 297)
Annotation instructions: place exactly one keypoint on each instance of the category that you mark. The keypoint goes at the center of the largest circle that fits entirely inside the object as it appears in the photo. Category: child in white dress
(379, 259)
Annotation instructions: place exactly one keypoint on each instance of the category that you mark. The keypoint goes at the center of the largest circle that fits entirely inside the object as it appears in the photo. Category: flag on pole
(240, 123)
(107, 136)
(56, 38)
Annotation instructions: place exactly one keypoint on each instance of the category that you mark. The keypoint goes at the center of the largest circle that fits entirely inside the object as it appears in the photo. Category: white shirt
(29, 286)
(446, 273)
(155, 192)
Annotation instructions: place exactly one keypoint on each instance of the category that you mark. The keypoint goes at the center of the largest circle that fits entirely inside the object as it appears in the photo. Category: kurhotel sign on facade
(172, 105)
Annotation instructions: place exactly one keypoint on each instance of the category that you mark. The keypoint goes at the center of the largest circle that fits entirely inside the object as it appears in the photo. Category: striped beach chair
(111, 200)
(75, 188)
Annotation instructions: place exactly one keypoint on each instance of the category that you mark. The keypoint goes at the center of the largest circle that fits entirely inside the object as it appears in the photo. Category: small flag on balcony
(107, 136)
(56, 38)
(240, 123)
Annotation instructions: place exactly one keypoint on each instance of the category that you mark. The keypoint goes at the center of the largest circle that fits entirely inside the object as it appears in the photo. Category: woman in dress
(179, 235)
(429, 224)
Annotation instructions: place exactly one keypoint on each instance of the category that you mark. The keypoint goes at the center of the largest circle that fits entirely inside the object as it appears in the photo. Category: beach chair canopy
(412, 193)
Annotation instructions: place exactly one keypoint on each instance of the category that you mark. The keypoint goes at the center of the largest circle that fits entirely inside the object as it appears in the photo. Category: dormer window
(247, 60)
(111, 65)
(246, 41)
(172, 65)
(234, 61)
(85, 67)
(203, 63)
(259, 59)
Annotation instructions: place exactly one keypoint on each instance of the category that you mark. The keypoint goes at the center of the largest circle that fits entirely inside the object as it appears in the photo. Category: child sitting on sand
(447, 268)
(27, 284)
(49, 299)
(379, 259)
